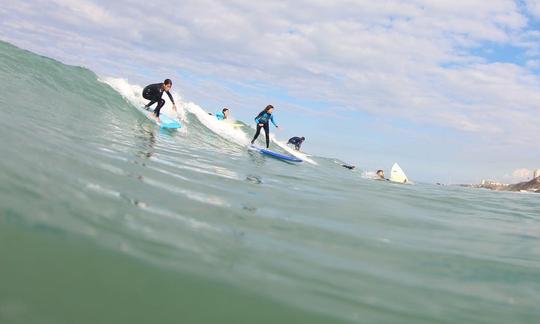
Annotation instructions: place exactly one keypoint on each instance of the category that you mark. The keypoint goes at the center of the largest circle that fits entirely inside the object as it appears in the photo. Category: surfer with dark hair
(224, 114)
(297, 142)
(380, 175)
(153, 92)
(262, 120)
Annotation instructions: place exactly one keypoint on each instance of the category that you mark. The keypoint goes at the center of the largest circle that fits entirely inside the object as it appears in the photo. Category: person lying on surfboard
(380, 175)
(153, 92)
(297, 142)
(262, 120)
(350, 167)
(224, 114)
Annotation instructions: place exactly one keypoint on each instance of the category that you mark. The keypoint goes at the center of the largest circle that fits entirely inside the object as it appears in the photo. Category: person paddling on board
(262, 120)
(153, 92)
(380, 175)
(224, 114)
(350, 167)
(297, 142)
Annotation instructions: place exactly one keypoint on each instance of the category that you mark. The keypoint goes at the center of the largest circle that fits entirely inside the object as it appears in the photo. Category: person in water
(380, 175)
(153, 92)
(262, 120)
(224, 114)
(350, 167)
(297, 142)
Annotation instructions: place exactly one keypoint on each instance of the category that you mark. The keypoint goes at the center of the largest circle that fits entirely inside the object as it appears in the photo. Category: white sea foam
(133, 93)
(292, 151)
(223, 128)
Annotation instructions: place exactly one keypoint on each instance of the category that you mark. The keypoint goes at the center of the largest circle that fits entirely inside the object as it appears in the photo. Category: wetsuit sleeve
(272, 119)
(257, 118)
(170, 97)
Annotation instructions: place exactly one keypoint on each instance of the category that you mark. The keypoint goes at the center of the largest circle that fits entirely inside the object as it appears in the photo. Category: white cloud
(416, 60)
(522, 173)
(77, 9)
(533, 7)
(533, 64)
(519, 175)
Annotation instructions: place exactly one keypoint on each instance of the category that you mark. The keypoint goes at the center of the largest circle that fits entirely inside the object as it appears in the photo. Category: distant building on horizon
(491, 183)
(536, 173)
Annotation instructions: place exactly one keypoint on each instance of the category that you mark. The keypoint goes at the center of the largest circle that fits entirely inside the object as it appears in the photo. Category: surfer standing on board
(262, 120)
(153, 92)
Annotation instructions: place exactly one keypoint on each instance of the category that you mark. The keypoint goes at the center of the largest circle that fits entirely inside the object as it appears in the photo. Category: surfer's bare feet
(155, 117)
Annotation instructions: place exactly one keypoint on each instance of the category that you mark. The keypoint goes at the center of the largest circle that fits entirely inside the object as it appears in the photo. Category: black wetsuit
(296, 141)
(153, 92)
(266, 132)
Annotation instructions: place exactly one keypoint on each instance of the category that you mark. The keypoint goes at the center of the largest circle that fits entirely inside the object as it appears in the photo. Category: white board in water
(397, 175)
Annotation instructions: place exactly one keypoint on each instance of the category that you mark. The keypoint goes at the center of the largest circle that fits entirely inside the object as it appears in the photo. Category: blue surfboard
(166, 121)
(276, 155)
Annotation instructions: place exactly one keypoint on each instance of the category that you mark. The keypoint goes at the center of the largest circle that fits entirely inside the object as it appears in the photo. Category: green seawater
(105, 218)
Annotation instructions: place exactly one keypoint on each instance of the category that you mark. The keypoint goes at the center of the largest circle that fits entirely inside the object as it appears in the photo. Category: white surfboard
(397, 175)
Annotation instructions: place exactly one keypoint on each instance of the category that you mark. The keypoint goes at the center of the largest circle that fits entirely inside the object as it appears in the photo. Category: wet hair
(224, 110)
(303, 138)
(380, 171)
(265, 111)
(167, 81)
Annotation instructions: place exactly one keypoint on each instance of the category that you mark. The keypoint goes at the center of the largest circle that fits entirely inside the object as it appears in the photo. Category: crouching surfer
(153, 92)
(297, 142)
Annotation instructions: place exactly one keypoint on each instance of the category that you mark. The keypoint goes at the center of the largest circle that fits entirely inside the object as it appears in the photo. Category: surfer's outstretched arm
(172, 100)
(273, 122)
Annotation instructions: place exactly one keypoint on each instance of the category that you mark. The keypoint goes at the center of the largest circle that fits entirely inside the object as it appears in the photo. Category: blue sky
(449, 89)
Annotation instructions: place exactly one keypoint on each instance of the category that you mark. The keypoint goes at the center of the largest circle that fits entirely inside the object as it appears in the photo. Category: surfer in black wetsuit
(297, 142)
(153, 92)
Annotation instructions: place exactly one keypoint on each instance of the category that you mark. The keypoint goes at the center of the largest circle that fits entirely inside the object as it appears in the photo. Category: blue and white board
(275, 154)
(166, 121)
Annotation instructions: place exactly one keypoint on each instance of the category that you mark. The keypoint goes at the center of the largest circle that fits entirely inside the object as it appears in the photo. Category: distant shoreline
(526, 186)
